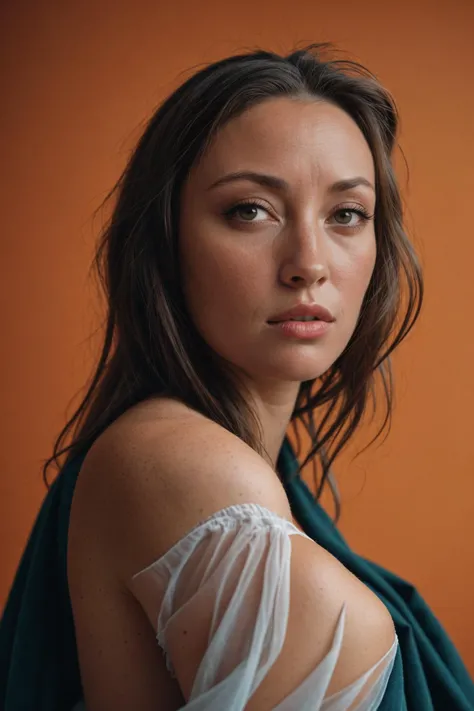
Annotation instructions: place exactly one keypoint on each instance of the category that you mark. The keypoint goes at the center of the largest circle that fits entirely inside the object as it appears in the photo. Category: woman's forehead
(288, 136)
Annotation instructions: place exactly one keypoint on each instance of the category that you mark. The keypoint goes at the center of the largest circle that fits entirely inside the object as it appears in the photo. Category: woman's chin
(286, 371)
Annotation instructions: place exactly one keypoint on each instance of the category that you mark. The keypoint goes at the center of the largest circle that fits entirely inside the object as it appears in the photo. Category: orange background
(79, 78)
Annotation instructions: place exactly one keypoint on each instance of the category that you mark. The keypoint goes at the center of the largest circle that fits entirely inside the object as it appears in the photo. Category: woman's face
(303, 235)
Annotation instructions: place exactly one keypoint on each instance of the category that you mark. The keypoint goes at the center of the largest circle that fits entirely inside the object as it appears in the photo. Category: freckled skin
(239, 272)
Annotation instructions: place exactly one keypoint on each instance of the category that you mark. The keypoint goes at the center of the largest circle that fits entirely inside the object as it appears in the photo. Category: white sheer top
(232, 573)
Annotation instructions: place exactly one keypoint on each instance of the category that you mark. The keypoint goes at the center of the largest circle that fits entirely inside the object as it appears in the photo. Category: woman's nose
(307, 263)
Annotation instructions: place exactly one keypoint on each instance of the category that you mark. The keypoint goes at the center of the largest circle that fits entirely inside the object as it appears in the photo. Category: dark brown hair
(151, 347)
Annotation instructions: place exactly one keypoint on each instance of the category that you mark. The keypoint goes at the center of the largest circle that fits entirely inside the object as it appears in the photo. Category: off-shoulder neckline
(234, 513)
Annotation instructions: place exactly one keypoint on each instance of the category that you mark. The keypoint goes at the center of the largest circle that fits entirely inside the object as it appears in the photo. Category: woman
(257, 274)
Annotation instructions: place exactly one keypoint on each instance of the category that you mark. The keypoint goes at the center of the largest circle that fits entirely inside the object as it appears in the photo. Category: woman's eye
(351, 217)
(344, 216)
(247, 212)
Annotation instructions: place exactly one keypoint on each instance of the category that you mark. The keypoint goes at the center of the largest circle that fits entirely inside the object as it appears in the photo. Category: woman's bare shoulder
(163, 468)
(178, 445)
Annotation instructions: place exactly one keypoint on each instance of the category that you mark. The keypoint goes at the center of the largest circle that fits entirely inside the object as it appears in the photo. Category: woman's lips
(305, 330)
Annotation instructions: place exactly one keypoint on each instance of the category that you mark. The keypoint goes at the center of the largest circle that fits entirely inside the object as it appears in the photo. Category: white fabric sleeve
(230, 575)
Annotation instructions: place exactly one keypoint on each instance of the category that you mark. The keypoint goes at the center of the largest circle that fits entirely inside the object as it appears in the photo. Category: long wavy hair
(151, 346)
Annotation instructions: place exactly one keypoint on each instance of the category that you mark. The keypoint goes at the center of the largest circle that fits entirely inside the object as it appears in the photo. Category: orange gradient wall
(79, 78)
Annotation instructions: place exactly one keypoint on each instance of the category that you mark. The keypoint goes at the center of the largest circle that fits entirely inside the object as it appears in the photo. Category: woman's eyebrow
(268, 181)
(272, 181)
(342, 186)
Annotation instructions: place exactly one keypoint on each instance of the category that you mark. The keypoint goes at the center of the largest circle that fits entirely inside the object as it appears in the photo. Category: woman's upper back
(152, 478)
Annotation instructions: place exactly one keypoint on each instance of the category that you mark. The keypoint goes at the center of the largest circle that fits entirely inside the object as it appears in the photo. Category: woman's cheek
(355, 273)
